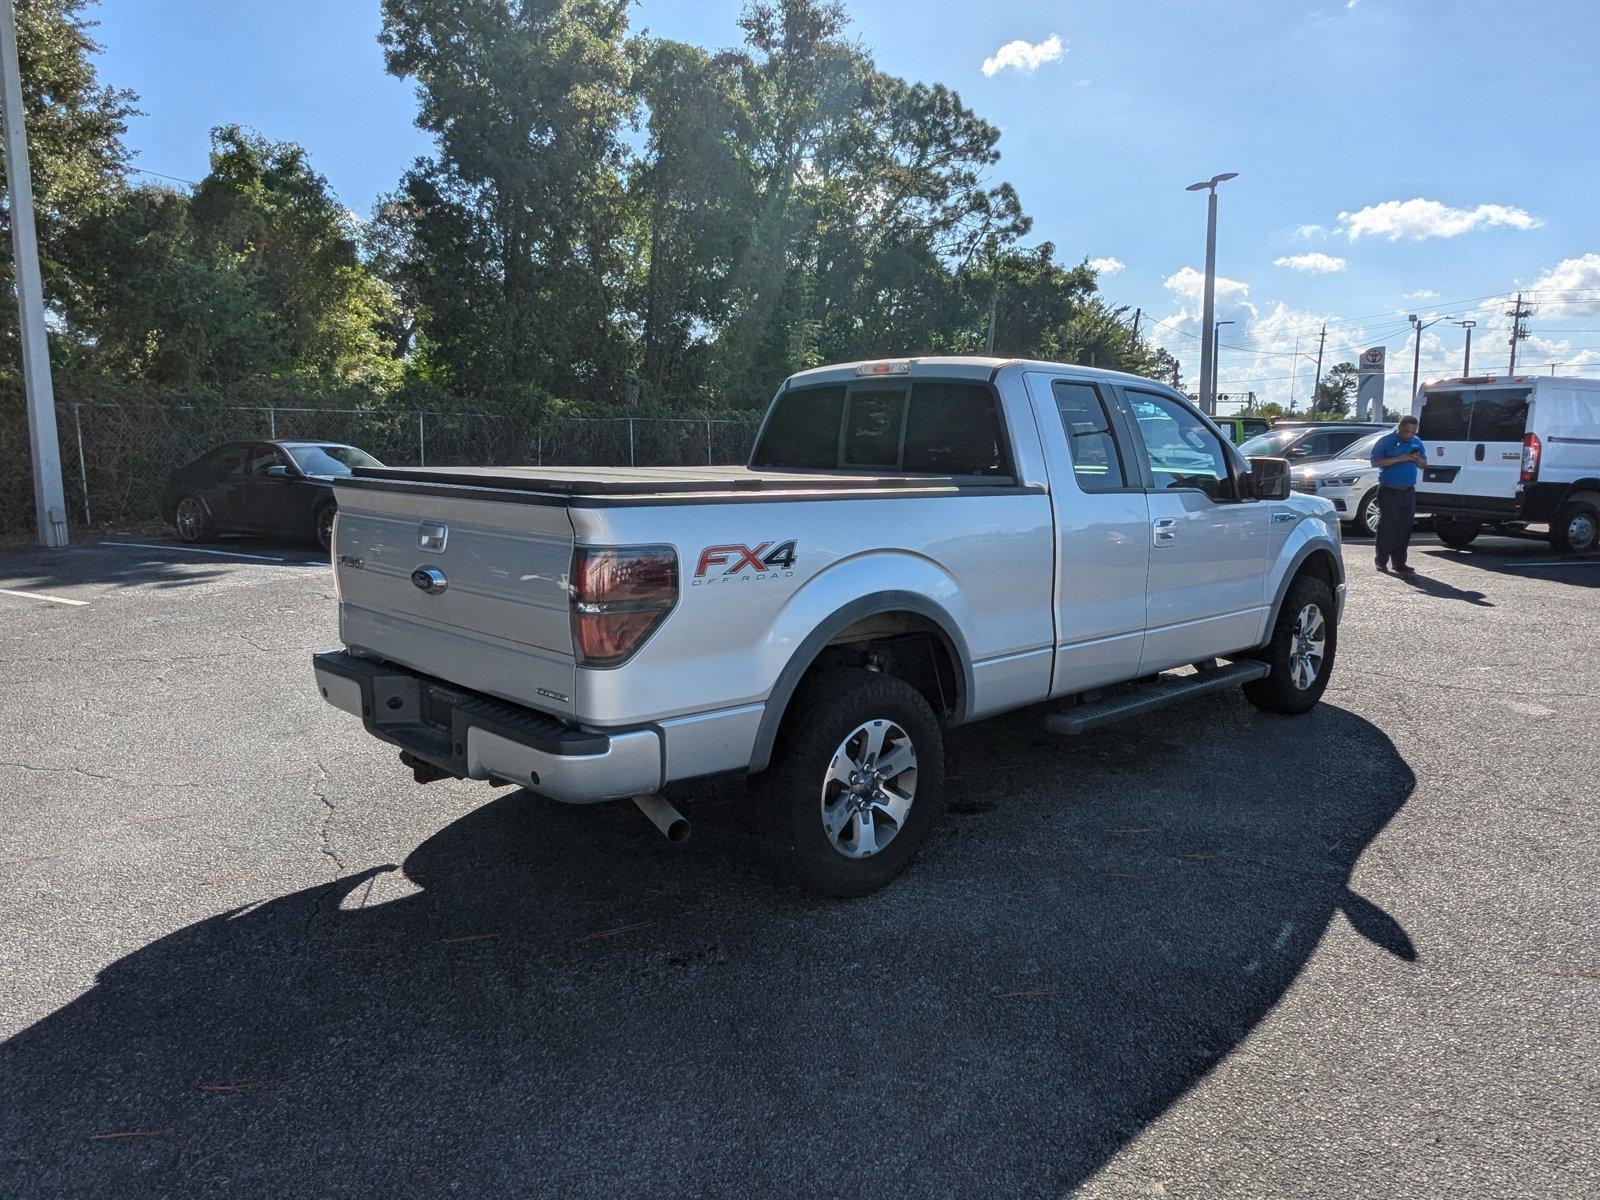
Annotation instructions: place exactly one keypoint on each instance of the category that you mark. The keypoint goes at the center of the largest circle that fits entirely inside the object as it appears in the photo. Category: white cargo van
(1507, 451)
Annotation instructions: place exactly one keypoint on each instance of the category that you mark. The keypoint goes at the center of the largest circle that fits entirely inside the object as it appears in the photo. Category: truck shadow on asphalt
(551, 1000)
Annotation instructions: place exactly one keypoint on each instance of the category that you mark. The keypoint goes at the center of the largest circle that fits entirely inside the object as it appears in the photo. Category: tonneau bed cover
(655, 481)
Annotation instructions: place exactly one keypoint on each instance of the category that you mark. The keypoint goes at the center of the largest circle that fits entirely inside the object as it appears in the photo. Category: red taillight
(619, 596)
(1530, 457)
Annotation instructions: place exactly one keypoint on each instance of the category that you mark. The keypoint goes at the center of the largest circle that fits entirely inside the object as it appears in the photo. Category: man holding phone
(1400, 457)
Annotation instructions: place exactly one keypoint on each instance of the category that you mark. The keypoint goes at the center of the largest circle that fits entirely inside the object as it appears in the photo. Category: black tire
(817, 730)
(1457, 532)
(1284, 690)
(191, 520)
(1365, 523)
(1576, 529)
(324, 524)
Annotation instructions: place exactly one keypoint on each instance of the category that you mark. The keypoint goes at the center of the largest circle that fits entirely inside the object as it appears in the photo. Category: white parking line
(195, 550)
(42, 596)
(1560, 562)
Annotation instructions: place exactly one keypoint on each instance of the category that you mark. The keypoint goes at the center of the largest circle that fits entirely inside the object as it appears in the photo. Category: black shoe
(1404, 570)
(1384, 567)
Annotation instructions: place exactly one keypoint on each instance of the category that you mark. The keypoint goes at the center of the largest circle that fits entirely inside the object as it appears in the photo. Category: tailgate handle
(1478, 453)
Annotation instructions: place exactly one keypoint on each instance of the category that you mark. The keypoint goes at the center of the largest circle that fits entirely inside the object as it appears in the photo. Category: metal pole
(630, 442)
(1466, 358)
(272, 422)
(44, 443)
(708, 442)
(1216, 358)
(1208, 309)
(1416, 359)
(1294, 372)
(541, 448)
(83, 473)
(422, 440)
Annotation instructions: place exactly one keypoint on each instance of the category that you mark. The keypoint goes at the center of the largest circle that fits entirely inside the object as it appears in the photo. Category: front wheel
(858, 780)
(1300, 653)
(1457, 532)
(325, 516)
(1576, 529)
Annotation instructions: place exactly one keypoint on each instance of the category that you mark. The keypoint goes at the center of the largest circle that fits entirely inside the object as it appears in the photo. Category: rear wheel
(1365, 521)
(191, 520)
(1457, 531)
(858, 780)
(1576, 528)
(1300, 653)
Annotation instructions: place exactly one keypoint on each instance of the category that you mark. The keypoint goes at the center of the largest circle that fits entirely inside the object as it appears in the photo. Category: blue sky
(1395, 156)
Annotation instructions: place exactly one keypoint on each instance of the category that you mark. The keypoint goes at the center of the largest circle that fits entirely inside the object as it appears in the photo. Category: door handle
(1283, 515)
(1164, 531)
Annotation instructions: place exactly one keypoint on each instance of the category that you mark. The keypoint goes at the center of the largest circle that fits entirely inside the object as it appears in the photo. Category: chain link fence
(116, 457)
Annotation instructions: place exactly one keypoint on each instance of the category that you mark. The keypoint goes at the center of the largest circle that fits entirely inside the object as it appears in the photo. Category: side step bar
(1161, 691)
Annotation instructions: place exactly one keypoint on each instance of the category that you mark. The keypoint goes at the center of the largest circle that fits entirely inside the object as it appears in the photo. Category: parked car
(280, 488)
(913, 544)
(1349, 483)
(1308, 441)
(1505, 452)
(1242, 429)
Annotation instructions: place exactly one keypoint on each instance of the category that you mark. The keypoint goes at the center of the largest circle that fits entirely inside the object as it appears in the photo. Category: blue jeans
(1397, 512)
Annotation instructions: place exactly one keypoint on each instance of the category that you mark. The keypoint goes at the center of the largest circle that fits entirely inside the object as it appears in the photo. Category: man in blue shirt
(1400, 457)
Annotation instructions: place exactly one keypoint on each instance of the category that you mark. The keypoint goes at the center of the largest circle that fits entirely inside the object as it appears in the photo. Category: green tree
(520, 215)
(75, 127)
(1331, 399)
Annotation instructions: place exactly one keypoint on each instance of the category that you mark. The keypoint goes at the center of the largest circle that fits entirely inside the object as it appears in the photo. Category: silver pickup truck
(913, 544)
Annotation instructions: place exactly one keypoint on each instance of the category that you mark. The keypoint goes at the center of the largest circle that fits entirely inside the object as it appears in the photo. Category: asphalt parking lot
(1214, 953)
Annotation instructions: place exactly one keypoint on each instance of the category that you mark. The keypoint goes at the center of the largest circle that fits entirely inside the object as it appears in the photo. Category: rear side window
(953, 429)
(1095, 463)
(872, 426)
(803, 430)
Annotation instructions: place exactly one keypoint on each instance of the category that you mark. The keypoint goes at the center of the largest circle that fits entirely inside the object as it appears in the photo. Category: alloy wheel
(1308, 644)
(190, 519)
(869, 788)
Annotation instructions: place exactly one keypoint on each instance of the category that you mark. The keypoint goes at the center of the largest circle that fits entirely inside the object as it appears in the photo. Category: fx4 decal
(725, 563)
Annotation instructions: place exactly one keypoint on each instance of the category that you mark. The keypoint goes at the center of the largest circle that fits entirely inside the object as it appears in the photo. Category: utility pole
(1518, 315)
(1137, 313)
(1208, 307)
(1322, 340)
(1419, 325)
(1466, 358)
(49, 501)
(1294, 373)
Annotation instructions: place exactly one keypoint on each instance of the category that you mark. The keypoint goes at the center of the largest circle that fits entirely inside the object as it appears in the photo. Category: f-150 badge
(723, 564)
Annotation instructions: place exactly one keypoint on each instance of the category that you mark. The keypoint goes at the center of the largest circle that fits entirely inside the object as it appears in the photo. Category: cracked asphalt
(1211, 954)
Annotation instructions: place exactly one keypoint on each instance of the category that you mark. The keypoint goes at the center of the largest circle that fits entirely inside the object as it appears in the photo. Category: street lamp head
(1211, 184)
(1411, 317)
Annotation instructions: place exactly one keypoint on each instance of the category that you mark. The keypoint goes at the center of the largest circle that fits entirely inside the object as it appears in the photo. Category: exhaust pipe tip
(674, 826)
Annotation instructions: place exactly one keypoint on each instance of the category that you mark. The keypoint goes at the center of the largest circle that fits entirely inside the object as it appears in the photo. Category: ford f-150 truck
(913, 544)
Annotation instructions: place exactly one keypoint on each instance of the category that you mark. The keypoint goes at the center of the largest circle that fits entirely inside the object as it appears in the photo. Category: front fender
(849, 591)
(1311, 535)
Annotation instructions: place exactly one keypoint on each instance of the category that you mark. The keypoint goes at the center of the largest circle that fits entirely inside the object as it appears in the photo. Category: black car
(282, 488)
(1307, 441)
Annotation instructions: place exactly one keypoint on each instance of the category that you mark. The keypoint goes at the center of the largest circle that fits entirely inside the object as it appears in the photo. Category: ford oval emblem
(430, 580)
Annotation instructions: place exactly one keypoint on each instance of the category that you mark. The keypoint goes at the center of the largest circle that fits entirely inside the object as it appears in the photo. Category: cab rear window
(934, 427)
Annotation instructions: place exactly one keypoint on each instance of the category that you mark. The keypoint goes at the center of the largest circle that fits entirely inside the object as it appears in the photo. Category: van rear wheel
(1457, 532)
(1576, 529)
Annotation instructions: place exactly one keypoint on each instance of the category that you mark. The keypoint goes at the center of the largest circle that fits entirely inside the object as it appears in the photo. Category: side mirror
(1268, 479)
(278, 471)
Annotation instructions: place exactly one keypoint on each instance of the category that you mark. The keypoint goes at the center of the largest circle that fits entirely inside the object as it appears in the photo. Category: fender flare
(1301, 557)
(777, 703)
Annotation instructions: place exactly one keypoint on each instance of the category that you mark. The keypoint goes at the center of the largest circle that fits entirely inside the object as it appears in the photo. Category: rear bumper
(472, 736)
(1481, 508)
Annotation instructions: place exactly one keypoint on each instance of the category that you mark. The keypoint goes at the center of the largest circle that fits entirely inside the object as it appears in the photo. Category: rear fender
(849, 591)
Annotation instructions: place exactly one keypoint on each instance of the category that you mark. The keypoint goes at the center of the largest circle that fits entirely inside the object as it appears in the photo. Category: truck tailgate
(500, 621)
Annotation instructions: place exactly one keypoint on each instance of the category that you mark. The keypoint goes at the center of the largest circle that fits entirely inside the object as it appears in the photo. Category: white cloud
(1109, 265)
(1190, 285)
(1578, 279)
(1421, 294)
(1083, 83)
(1310, 231)
(1024, 56)
(1418, 219)
(1316, 262)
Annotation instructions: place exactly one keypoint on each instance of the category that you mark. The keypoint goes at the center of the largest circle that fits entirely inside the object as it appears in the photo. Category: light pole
(1466, 358)
(1208, 310)
(1419, 325)
(1216, 357)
